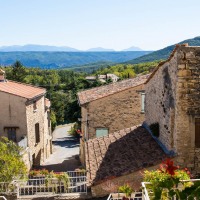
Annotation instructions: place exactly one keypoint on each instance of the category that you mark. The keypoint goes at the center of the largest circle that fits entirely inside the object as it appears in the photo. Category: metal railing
(2, 197)
(6, 187)
(119, 196)
(74, 183)
(23, 143)
(148, 194)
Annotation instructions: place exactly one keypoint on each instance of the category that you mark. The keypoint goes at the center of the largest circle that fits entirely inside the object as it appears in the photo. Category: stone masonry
(173, 100)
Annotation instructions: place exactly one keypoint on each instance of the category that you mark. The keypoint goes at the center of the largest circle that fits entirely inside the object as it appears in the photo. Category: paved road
(65, 151)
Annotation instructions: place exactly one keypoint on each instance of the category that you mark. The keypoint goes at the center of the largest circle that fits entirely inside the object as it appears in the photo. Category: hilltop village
(125, 129)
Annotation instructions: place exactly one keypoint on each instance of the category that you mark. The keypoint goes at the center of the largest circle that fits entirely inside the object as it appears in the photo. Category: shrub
(166, 181)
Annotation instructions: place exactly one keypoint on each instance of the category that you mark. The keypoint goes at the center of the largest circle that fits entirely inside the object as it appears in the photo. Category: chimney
(2, 75)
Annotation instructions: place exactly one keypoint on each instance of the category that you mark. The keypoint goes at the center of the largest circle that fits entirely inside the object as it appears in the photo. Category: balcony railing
(119, 196)
(148, 194)
(23, 143)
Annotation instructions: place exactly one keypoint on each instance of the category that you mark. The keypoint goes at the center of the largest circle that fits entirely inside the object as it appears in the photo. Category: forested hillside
(128, 70)
(164, 53)
(53, 60)
(62, 85)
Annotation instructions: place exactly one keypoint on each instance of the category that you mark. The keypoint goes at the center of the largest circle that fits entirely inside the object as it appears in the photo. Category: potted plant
(127, 190)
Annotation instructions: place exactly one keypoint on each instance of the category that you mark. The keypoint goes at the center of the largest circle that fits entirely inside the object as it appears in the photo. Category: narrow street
(65, 151)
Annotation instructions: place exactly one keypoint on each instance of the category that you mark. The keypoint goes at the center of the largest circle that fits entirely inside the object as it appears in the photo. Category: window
(197, 132)
(37, 133)
(11, 132)
(34, 105)
(100, 132)
(142, 102)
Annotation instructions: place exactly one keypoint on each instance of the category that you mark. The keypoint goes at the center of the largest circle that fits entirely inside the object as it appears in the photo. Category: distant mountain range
(133, 49)
(49, 59)
(33, 47)
(164, 53)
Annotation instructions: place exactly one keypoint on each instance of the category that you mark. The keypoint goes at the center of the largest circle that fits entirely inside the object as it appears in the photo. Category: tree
(11, 163)
(18, 71)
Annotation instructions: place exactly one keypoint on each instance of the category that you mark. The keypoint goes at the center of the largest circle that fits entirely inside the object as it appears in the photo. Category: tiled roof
(103, 91)
(121, 153)
(20, 89)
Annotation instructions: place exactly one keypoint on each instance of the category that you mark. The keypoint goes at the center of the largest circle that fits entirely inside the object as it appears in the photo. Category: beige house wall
(13, 114)
(19, 112)
(115, 112)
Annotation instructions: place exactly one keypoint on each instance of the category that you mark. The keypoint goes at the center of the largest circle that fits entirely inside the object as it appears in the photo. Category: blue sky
(83, 24)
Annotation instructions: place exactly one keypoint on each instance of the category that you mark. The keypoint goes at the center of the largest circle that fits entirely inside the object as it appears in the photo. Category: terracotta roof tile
(20, 89)
(106, 90)
(121, 153)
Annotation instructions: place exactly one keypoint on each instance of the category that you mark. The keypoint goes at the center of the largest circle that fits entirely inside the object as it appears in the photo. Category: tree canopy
(11, 163)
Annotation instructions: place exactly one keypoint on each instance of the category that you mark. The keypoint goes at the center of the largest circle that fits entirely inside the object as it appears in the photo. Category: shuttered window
(37, 133)
(100, 132)
(142, 102)
(197, 132)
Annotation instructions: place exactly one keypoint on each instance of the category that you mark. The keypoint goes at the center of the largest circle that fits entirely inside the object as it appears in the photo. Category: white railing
(2, 197)
(6, 187)
(119, 196)
(23, 143)
(147, 194)
(75, 183)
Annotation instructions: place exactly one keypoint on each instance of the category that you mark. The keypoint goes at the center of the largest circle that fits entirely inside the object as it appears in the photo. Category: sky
(84, 24)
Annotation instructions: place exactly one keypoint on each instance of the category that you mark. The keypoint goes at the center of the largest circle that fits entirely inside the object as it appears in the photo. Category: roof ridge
(26, 84)
(115, 83)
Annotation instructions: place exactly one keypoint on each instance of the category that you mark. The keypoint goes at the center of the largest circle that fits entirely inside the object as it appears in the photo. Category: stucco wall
(13, 114)
(115, 112)
(18, 112)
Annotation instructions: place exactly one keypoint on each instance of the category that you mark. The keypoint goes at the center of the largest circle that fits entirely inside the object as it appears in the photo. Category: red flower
(169, 167)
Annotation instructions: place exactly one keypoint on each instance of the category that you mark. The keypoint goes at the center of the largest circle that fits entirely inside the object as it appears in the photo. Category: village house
(111, 108)
(173, 103)
(171, 128)
(26, 119)
(103, 78)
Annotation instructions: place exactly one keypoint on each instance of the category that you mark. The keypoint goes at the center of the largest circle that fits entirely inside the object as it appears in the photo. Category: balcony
(23, 143)
(193, 191)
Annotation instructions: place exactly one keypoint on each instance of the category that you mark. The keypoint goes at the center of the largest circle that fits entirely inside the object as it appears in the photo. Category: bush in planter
(127, 190)
(166, 181)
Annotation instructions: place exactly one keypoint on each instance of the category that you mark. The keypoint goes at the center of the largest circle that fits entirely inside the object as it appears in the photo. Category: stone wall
(173, 100)
(115, 112)
(133, 179)
(38, 116)
(187, 107)
(161, 99)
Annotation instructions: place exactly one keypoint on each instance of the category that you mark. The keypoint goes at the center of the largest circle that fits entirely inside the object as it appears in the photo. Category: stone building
(25, 119)
(173, 103)
(110, 108)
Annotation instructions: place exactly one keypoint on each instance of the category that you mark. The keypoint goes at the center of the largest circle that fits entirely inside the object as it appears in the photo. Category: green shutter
(100, 132)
